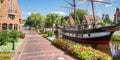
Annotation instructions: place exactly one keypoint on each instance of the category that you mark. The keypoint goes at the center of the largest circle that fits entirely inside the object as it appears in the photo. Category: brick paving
(38, 48)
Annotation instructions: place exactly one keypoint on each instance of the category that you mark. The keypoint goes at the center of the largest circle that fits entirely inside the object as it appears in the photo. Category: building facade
(117, 16)
(10, 15)
(89, 21)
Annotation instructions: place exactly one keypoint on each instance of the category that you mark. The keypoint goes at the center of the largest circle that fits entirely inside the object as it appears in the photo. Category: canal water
(111, 49)
(115, 47)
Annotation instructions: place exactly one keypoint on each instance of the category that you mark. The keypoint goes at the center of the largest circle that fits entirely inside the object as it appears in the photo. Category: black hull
(98, 40)
(100, 36)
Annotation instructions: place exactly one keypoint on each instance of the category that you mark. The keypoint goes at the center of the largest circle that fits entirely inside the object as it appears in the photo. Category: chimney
(117, 10)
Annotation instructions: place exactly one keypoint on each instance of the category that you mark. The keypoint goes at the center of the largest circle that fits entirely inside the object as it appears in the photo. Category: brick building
(10, 16)
(117, 16)
(89, 21)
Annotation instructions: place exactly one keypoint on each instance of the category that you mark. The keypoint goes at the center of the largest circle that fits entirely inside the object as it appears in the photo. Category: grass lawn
(6, 49)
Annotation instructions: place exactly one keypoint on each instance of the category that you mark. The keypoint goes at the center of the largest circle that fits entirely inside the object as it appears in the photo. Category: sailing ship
(83, 34)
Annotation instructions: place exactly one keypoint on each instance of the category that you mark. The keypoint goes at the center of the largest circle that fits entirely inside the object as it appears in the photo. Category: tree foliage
(4, 35)
(79, 15)
(1, 1)
(53, 18)
(8, 36)
(35, 20)
(106, 19)
(13, 35)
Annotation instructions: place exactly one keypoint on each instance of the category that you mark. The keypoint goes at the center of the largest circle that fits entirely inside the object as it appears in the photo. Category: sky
(45, 7)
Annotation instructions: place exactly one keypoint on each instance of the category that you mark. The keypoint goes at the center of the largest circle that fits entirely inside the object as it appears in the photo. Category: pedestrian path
(38, 48)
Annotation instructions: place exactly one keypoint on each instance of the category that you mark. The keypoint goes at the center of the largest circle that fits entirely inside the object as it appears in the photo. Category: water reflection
(115, 47)
(105, 48)
(111, 49)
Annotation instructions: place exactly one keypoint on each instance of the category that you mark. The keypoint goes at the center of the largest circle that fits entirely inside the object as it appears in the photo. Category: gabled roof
(72, 20)
(89, 18)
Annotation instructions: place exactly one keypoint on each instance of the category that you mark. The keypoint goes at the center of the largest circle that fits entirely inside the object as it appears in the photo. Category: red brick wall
(4, 13)
(117, 14)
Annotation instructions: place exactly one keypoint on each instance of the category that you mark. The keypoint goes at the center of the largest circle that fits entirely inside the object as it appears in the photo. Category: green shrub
(44, 35)
(5, 58)
(50, 33)
(115, 38)
(38, 31)
(13, 35)
(4, 36)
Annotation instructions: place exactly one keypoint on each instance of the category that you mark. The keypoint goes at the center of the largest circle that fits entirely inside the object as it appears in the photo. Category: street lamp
(56, 26)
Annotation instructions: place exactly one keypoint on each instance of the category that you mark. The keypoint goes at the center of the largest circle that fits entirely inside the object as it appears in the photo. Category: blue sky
(54, 6)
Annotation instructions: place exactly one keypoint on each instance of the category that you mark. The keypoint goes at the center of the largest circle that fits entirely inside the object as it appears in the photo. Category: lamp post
(56, 27)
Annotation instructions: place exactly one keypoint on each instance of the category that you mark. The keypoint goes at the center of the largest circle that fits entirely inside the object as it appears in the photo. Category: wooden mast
(74, 5)
(92, 3)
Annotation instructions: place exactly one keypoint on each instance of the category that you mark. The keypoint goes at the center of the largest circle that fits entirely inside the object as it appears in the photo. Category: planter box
(22, 36)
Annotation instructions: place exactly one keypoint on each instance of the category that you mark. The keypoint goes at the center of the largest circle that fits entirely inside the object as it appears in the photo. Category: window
(11, 10)
(13, 3)
(9, 1)
(11, 17)
(4, 26)
(5, 8)
(118, 19)
(10, 26)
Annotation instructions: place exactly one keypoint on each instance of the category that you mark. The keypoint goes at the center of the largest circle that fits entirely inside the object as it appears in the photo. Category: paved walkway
(38, 48)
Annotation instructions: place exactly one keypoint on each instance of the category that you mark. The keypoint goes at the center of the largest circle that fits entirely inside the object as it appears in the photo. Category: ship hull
(91, 38)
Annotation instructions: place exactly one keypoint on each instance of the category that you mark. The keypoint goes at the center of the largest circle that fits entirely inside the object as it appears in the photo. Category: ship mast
(74, 7)
(92, 3)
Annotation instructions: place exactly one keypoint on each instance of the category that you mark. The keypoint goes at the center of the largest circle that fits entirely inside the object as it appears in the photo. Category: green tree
(29, 22)
(103, 16)
(24, 21)
(108, 20)
(53, 18)
(79, 15)
(35, 20)
(1, 1)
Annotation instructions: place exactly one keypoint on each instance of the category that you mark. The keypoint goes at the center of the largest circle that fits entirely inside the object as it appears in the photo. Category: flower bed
(82, 52)
(5, 58)
(60, 43)
(5, 49)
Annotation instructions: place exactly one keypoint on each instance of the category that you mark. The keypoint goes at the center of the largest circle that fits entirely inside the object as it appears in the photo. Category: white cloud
(28, 13)
(60, 13)
(25, 14)
(108, 5)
